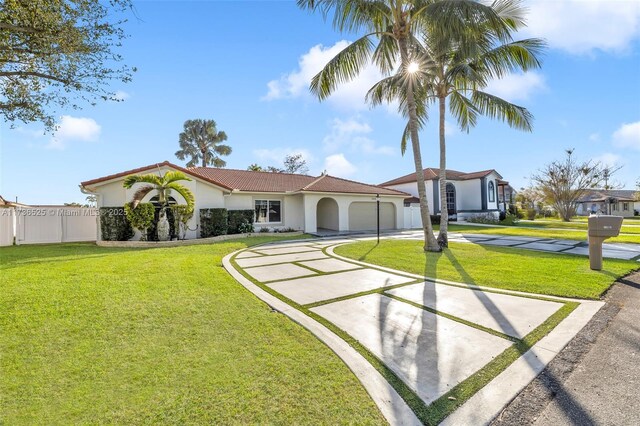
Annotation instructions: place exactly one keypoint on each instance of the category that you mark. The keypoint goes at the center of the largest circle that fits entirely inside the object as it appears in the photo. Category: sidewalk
(595, 379)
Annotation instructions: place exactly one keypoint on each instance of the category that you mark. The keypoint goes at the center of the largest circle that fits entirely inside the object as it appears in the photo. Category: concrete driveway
(432, 335)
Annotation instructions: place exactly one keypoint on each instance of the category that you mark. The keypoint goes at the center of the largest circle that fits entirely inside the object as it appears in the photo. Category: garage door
(362, 216)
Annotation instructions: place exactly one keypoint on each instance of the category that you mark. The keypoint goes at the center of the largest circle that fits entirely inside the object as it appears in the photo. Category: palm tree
(254, 168)
(460, 70)
(201, 141)
(395, 25)
(163, 185)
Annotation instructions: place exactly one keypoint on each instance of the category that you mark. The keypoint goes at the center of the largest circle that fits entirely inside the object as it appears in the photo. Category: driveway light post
(378, 214)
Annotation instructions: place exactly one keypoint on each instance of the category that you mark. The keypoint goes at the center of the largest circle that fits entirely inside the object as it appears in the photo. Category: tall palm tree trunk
(430, 243)
(204, 158)
(443, 239)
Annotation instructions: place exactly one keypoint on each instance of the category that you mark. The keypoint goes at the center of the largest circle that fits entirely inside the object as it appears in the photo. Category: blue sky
(247, 65)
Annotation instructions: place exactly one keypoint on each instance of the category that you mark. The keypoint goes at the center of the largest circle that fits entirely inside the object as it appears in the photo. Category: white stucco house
(468, 194)
(280, 200)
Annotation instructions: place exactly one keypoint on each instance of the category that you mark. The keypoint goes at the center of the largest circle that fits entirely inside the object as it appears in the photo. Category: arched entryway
(451, 200)
(327, 216)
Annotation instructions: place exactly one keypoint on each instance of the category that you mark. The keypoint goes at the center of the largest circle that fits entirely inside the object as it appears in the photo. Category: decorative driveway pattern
(432, 335)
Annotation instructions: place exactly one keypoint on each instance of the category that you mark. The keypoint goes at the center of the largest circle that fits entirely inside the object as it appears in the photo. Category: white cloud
(582, 26)
(121, 95)
(72, 129)
(338, 165)
(609, 159)
(349, 96)
(594, 137)
(628, 136)
(353, 133)
(517, 87)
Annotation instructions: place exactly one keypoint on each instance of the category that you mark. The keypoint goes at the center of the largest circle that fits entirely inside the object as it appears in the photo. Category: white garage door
(362, 216)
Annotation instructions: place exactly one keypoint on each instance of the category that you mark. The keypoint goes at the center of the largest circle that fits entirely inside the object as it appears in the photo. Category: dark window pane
(274, 211)
(261, 211)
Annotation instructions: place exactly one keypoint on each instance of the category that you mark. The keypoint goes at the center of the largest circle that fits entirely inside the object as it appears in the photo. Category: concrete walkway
(432, 335)
(554, 245)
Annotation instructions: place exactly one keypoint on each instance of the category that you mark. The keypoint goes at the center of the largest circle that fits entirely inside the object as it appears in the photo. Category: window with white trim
(268, 211)
(625, 207)
(492, 192)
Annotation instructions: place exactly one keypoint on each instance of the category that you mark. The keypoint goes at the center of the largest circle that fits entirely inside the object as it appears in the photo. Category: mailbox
(604, 226)
(601, 228)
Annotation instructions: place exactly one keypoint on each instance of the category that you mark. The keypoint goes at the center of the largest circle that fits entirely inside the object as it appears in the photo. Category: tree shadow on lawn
(579, 415)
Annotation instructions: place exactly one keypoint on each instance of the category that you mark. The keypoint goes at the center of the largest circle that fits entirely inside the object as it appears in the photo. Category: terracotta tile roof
(245, 180)
(328, 183)
(250, 181)
(148, 168)
(432, 174)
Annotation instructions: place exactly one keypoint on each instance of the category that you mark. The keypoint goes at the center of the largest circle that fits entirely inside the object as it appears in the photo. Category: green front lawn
(525, 231)
(499, 267)
(92, 335)
(582, 226)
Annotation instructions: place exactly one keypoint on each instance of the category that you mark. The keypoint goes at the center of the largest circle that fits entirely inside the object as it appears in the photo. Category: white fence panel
(412, 218)
(55, 225)
(7, 218)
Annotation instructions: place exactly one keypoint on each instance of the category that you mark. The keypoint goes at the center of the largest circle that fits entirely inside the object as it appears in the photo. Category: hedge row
(114, 225)
(214, 222)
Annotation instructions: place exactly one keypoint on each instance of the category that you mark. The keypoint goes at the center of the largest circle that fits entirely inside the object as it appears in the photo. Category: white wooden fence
(7, 226)
(36, 225)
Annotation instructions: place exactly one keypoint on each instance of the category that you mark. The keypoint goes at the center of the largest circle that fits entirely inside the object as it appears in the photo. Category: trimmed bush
(182, 214)
(531, 214)
(213, 222)
(114, 225)
(141, 217)
(435, 219)
(240, 221)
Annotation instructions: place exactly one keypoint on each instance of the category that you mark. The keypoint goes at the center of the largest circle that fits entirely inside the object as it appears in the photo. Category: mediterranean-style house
(280, 200)
(468, 194)
(618, 202)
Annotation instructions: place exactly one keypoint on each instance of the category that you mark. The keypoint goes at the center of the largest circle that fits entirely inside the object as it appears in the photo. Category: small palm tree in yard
(392, 29)
(163, 185)
(201, 142)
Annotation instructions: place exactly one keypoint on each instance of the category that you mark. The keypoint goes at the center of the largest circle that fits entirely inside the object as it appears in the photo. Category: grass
(93, 335)
(499, 267)
(537, 232)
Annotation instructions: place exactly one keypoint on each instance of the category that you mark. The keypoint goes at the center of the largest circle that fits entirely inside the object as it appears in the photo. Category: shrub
(284, 230)
(182, 214)
(502, 216)
(141, 217)
(240, 221)
(264, 230)
(483, 218)
(531, 214)
(509, 220)
(435, 219)
(114, 225)
(213, 222)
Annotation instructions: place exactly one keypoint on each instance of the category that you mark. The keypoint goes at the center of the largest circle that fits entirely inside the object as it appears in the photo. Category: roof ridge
(313, 182)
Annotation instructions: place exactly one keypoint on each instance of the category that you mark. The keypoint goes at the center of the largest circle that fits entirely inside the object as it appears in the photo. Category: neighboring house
(280, 200)
(619, 202)
(468, 194)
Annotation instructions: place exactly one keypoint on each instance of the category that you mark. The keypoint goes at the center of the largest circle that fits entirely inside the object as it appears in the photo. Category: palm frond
(522, 55)
(344, 67)
(184, 192)
(497, 108)
(131, 180)
(463, 110)
(139, 195)
(173, 176)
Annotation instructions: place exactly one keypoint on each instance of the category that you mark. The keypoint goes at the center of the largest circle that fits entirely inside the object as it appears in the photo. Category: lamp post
(378, 215)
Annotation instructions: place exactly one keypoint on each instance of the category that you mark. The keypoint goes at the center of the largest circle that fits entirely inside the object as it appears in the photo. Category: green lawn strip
(553, 274)
(436, 412)
(453, 399)
(524, 231)
(96, 335)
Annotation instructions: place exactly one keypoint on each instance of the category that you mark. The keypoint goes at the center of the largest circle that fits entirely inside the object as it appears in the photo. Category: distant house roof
(433, 174)
(252, 181)
(599, 195)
